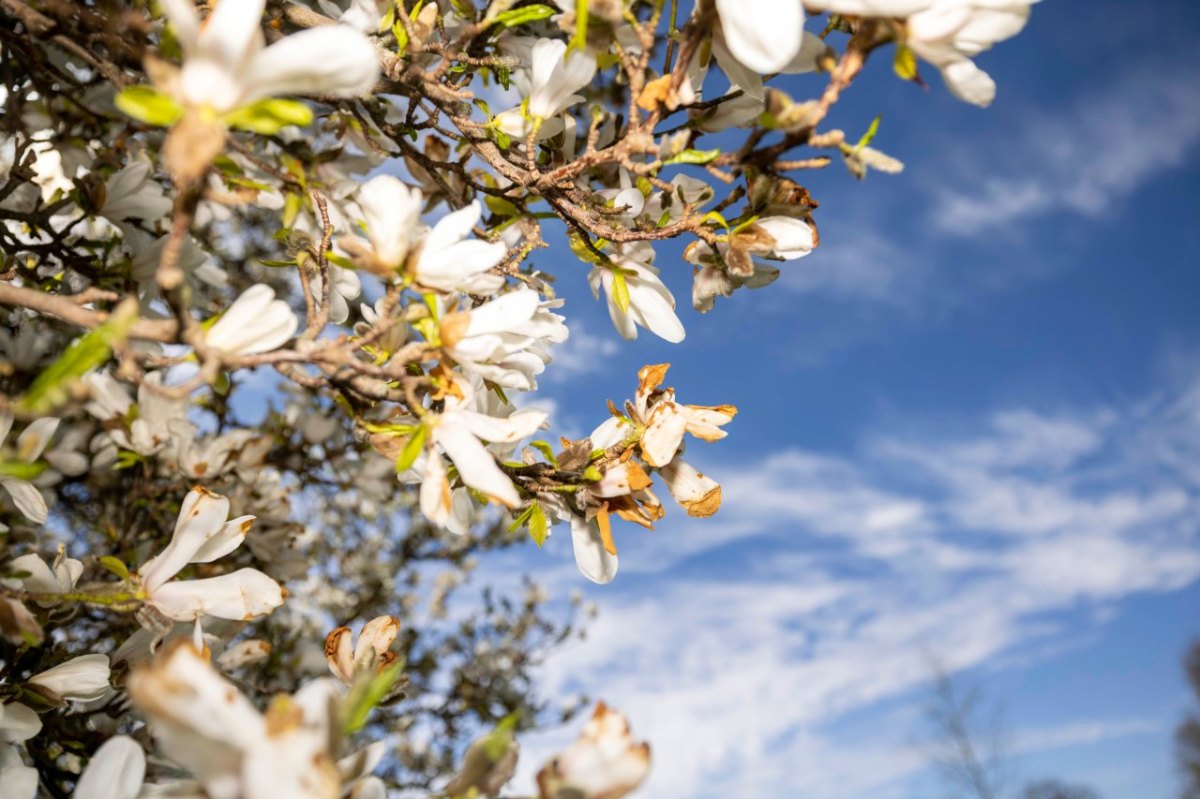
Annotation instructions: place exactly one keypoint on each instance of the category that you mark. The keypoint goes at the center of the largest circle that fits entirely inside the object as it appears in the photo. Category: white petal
(451, 228)
(594, 561)
(201, 517)
(227, 539)
(81, 679)
(475, 463)
(242, 595)
(17, 780)
(334, 60)
(34, 438)
(392, 211)
(969, 83)
(231, 33)
(115, 771)
(18, 723)
(762, 34)
(28, 499)
(503, 431)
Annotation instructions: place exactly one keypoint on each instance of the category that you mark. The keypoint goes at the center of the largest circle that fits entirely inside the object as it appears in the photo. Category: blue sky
(970, 426)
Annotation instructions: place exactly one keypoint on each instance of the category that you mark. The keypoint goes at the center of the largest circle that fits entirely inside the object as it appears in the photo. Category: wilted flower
(603, 763)
(370, 654)
(202, 722)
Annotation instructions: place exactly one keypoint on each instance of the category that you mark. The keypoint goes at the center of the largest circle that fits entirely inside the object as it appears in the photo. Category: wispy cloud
(825, 582)
(1085, 158)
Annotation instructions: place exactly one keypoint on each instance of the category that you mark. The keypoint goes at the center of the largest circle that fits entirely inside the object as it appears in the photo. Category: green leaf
(22, 470)
(149, 105)
(53, 386)
(538, 527)
(500, 206)
(524, 15)
(365, 694)
(904, 63)
(412, 448)
(872, 129)
(521, 520)
(713, 216)
(547, 452)
(115, 566)
(697, 157)
(620, 291)
(269, 116)
(497, 741)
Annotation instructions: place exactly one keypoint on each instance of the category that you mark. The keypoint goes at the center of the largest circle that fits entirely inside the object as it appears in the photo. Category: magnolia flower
(603, 763)
(244, 653)
(22, 466)
(226, 66)
(550, 87)
(256, 322)
(344, 285)
(697, 493)
(505, 340)
(734, 263)
(206, 725)
(948, 34)
(371, 654)
(202, 535)
(133, 193)
(459, 433)
(115, 771)
(451, 261)
(664, 421)
(47, 167)
(80, 679)
(445, 259)
(636, 296)
(160, 425)
(44, 579)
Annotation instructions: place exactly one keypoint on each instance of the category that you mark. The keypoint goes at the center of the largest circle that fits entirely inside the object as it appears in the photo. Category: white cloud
(838, 576)
(1082, 733)
(1085, 158)
(583, 352)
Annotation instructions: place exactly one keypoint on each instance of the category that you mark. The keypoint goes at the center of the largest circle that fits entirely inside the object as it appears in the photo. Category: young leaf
(538, 527)
(412, 448)
(147, 104)
(524, 15)
(697, 157)
(365, 694)
(270, 116)
(620, 291)
(53, 386)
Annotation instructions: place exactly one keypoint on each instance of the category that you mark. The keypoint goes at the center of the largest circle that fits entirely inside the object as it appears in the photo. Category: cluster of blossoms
(272, 321)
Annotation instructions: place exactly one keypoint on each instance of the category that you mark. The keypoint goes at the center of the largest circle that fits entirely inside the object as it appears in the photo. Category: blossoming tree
(346, 199)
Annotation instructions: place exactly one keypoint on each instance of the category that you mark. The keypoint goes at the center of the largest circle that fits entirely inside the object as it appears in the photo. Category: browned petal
(637, 477)
(605, 524)
(705, 506)
(655, 93)
(651, 376)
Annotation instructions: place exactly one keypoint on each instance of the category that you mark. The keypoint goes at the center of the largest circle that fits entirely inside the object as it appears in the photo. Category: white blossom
(256, 322)
(226, 65)
(649, 303)
(549, 87)
(21, 466)
(203, 535)
(79, 679)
